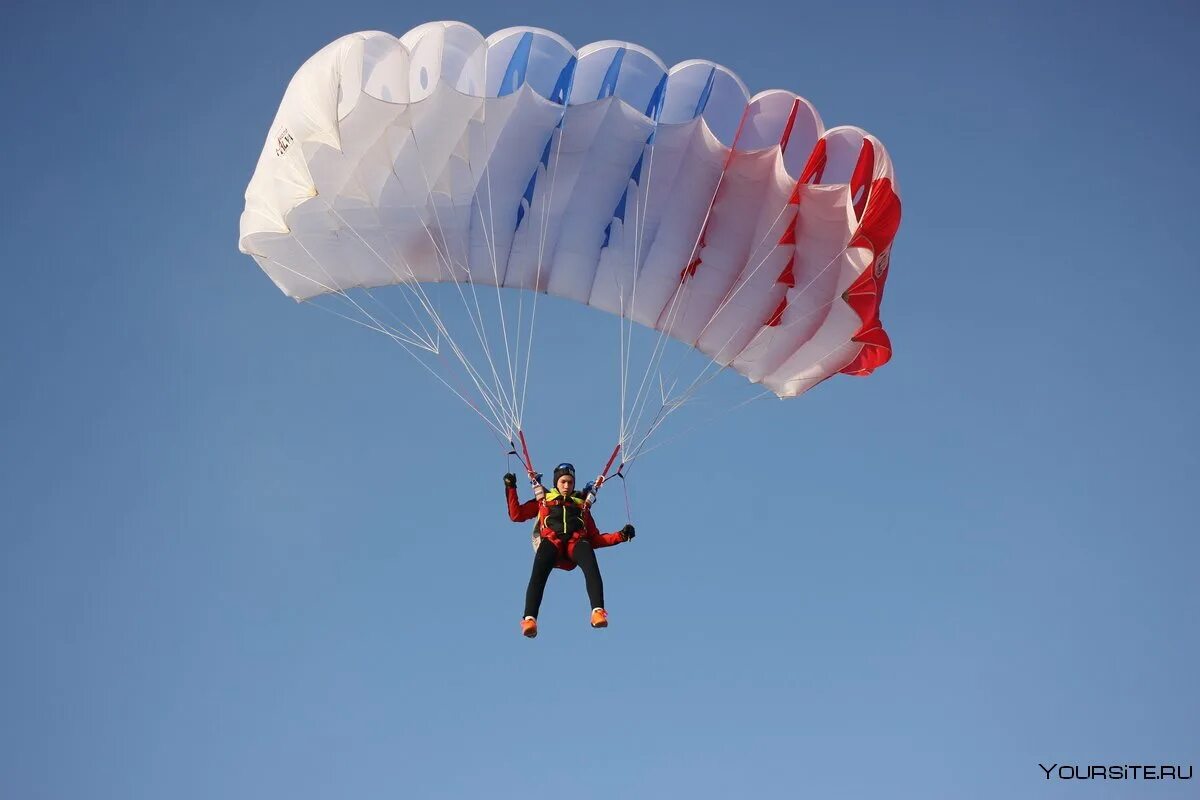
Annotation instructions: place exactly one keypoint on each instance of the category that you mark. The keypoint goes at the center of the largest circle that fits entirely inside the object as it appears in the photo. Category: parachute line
(494, 401)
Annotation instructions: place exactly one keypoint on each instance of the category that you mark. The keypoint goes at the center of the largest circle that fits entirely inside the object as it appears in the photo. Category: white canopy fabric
(670, 197)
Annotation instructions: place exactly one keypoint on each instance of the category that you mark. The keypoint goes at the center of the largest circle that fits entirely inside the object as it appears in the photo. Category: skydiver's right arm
(518, 511)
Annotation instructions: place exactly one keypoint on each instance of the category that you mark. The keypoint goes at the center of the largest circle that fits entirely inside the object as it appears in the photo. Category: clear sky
(248, 550)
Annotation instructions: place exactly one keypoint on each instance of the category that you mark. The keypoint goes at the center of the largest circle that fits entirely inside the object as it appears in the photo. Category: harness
(562, 515)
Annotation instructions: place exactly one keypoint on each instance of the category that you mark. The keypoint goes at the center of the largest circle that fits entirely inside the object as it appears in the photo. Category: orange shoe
(599, 618)
(529, 627)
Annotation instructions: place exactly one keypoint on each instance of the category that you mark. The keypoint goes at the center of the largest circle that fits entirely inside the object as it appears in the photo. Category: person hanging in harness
(569, 537)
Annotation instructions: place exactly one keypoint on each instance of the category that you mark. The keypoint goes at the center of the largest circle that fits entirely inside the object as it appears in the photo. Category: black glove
(510, 480)
(627, 533)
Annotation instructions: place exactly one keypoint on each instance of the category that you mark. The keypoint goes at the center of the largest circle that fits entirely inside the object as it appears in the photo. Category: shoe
(599, 618)
(529, 627)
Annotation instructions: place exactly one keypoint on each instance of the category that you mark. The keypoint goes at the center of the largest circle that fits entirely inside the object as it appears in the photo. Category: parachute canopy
(738, 225)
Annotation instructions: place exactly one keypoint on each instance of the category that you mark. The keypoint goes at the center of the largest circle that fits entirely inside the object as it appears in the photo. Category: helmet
(563, 469)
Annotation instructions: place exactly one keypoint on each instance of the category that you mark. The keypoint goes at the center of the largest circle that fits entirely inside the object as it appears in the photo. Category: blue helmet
(563, 469)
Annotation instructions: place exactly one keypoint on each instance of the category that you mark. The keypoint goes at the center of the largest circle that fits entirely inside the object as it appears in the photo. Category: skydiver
(568, 538)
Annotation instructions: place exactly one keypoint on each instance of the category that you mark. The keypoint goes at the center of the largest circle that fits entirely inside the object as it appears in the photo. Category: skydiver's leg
(543, 564)
(585, 557)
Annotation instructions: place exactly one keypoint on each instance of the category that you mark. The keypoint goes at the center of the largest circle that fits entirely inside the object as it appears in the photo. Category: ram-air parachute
(668, 197)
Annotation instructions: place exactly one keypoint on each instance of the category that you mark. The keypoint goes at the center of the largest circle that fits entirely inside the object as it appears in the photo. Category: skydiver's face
(565, 484)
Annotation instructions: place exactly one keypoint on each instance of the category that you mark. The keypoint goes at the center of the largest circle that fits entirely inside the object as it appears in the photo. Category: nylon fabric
(670, 197)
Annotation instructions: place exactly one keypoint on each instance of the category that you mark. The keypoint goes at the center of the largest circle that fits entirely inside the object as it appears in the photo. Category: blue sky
(248, 550)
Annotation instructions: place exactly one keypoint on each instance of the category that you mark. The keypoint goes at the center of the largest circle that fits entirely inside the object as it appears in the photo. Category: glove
(510, 480)
(592, 489)
(627, 533)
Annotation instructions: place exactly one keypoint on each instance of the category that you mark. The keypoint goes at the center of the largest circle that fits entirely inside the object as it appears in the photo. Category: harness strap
(525, 449)
(611, 459)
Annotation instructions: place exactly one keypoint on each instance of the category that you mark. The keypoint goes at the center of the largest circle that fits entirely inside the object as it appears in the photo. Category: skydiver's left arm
(599, 539)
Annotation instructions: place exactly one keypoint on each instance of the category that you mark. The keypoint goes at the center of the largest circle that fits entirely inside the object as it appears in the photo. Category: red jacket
(564, 535)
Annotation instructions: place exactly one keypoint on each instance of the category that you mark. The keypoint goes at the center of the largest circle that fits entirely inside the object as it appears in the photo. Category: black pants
(543, 565)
